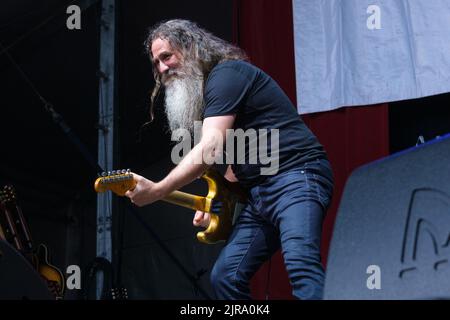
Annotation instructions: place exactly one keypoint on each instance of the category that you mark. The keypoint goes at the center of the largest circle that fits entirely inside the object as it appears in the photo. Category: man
(207, 79)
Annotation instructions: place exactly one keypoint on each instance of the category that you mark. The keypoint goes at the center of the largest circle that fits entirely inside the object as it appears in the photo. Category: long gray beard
(184, 102)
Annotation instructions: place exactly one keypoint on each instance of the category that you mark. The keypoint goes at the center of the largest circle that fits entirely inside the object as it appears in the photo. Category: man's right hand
(201, 219)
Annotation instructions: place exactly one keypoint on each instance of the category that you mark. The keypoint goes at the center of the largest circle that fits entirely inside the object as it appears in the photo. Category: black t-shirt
(260, 105)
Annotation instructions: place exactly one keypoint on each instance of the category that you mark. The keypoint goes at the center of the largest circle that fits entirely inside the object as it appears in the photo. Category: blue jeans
(285, 210)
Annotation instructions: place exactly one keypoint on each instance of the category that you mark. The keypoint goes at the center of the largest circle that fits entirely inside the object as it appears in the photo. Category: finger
(130, 194)
(199, 214)
(206, 220)
(137, 177)
(198, 218)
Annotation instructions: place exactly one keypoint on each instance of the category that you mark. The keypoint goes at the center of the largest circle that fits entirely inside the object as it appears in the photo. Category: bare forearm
(190, 168)
(201, 156)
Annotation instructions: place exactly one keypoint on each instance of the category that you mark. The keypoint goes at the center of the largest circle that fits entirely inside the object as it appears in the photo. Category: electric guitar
(230, 194)
(14, 229)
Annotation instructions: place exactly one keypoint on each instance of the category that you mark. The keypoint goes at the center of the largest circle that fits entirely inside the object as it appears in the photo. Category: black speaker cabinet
(392, 232)
(18, 279)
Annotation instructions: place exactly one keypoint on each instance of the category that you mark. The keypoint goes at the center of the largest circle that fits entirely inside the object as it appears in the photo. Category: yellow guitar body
(228, 193)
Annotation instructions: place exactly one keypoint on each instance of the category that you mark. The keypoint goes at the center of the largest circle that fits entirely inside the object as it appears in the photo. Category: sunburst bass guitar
(230, 194)
(15, 230)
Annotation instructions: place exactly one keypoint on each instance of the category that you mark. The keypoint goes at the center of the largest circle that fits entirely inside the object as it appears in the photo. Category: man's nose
(162, 67)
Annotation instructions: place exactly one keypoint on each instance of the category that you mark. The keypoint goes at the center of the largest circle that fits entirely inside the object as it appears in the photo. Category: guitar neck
(188, 200)
(23, 229)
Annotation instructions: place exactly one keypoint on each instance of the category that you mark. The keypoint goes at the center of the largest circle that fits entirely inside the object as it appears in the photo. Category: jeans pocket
(319, 176)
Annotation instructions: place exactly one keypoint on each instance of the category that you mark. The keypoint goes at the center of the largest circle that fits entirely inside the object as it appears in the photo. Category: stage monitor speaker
(18, 279)
(392, 232)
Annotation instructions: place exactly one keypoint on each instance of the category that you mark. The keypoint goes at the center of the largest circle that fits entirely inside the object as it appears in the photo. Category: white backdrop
(362, 52)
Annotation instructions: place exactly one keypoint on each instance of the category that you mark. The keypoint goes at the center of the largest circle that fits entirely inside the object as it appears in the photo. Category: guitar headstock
(118, 181)
(8, 195)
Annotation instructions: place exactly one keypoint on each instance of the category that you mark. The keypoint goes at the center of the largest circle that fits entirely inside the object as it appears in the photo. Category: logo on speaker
(427, 237)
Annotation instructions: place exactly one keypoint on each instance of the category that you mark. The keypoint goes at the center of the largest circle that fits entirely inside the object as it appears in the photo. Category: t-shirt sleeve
(225, 91)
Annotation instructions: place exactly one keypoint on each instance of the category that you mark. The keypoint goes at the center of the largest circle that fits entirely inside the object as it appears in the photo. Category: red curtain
(351, 136)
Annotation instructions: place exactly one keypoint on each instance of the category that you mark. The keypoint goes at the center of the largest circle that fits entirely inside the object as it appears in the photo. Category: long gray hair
(195, 44)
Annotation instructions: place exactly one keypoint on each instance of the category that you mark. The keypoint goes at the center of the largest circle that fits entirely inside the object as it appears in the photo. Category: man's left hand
(145, 192)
